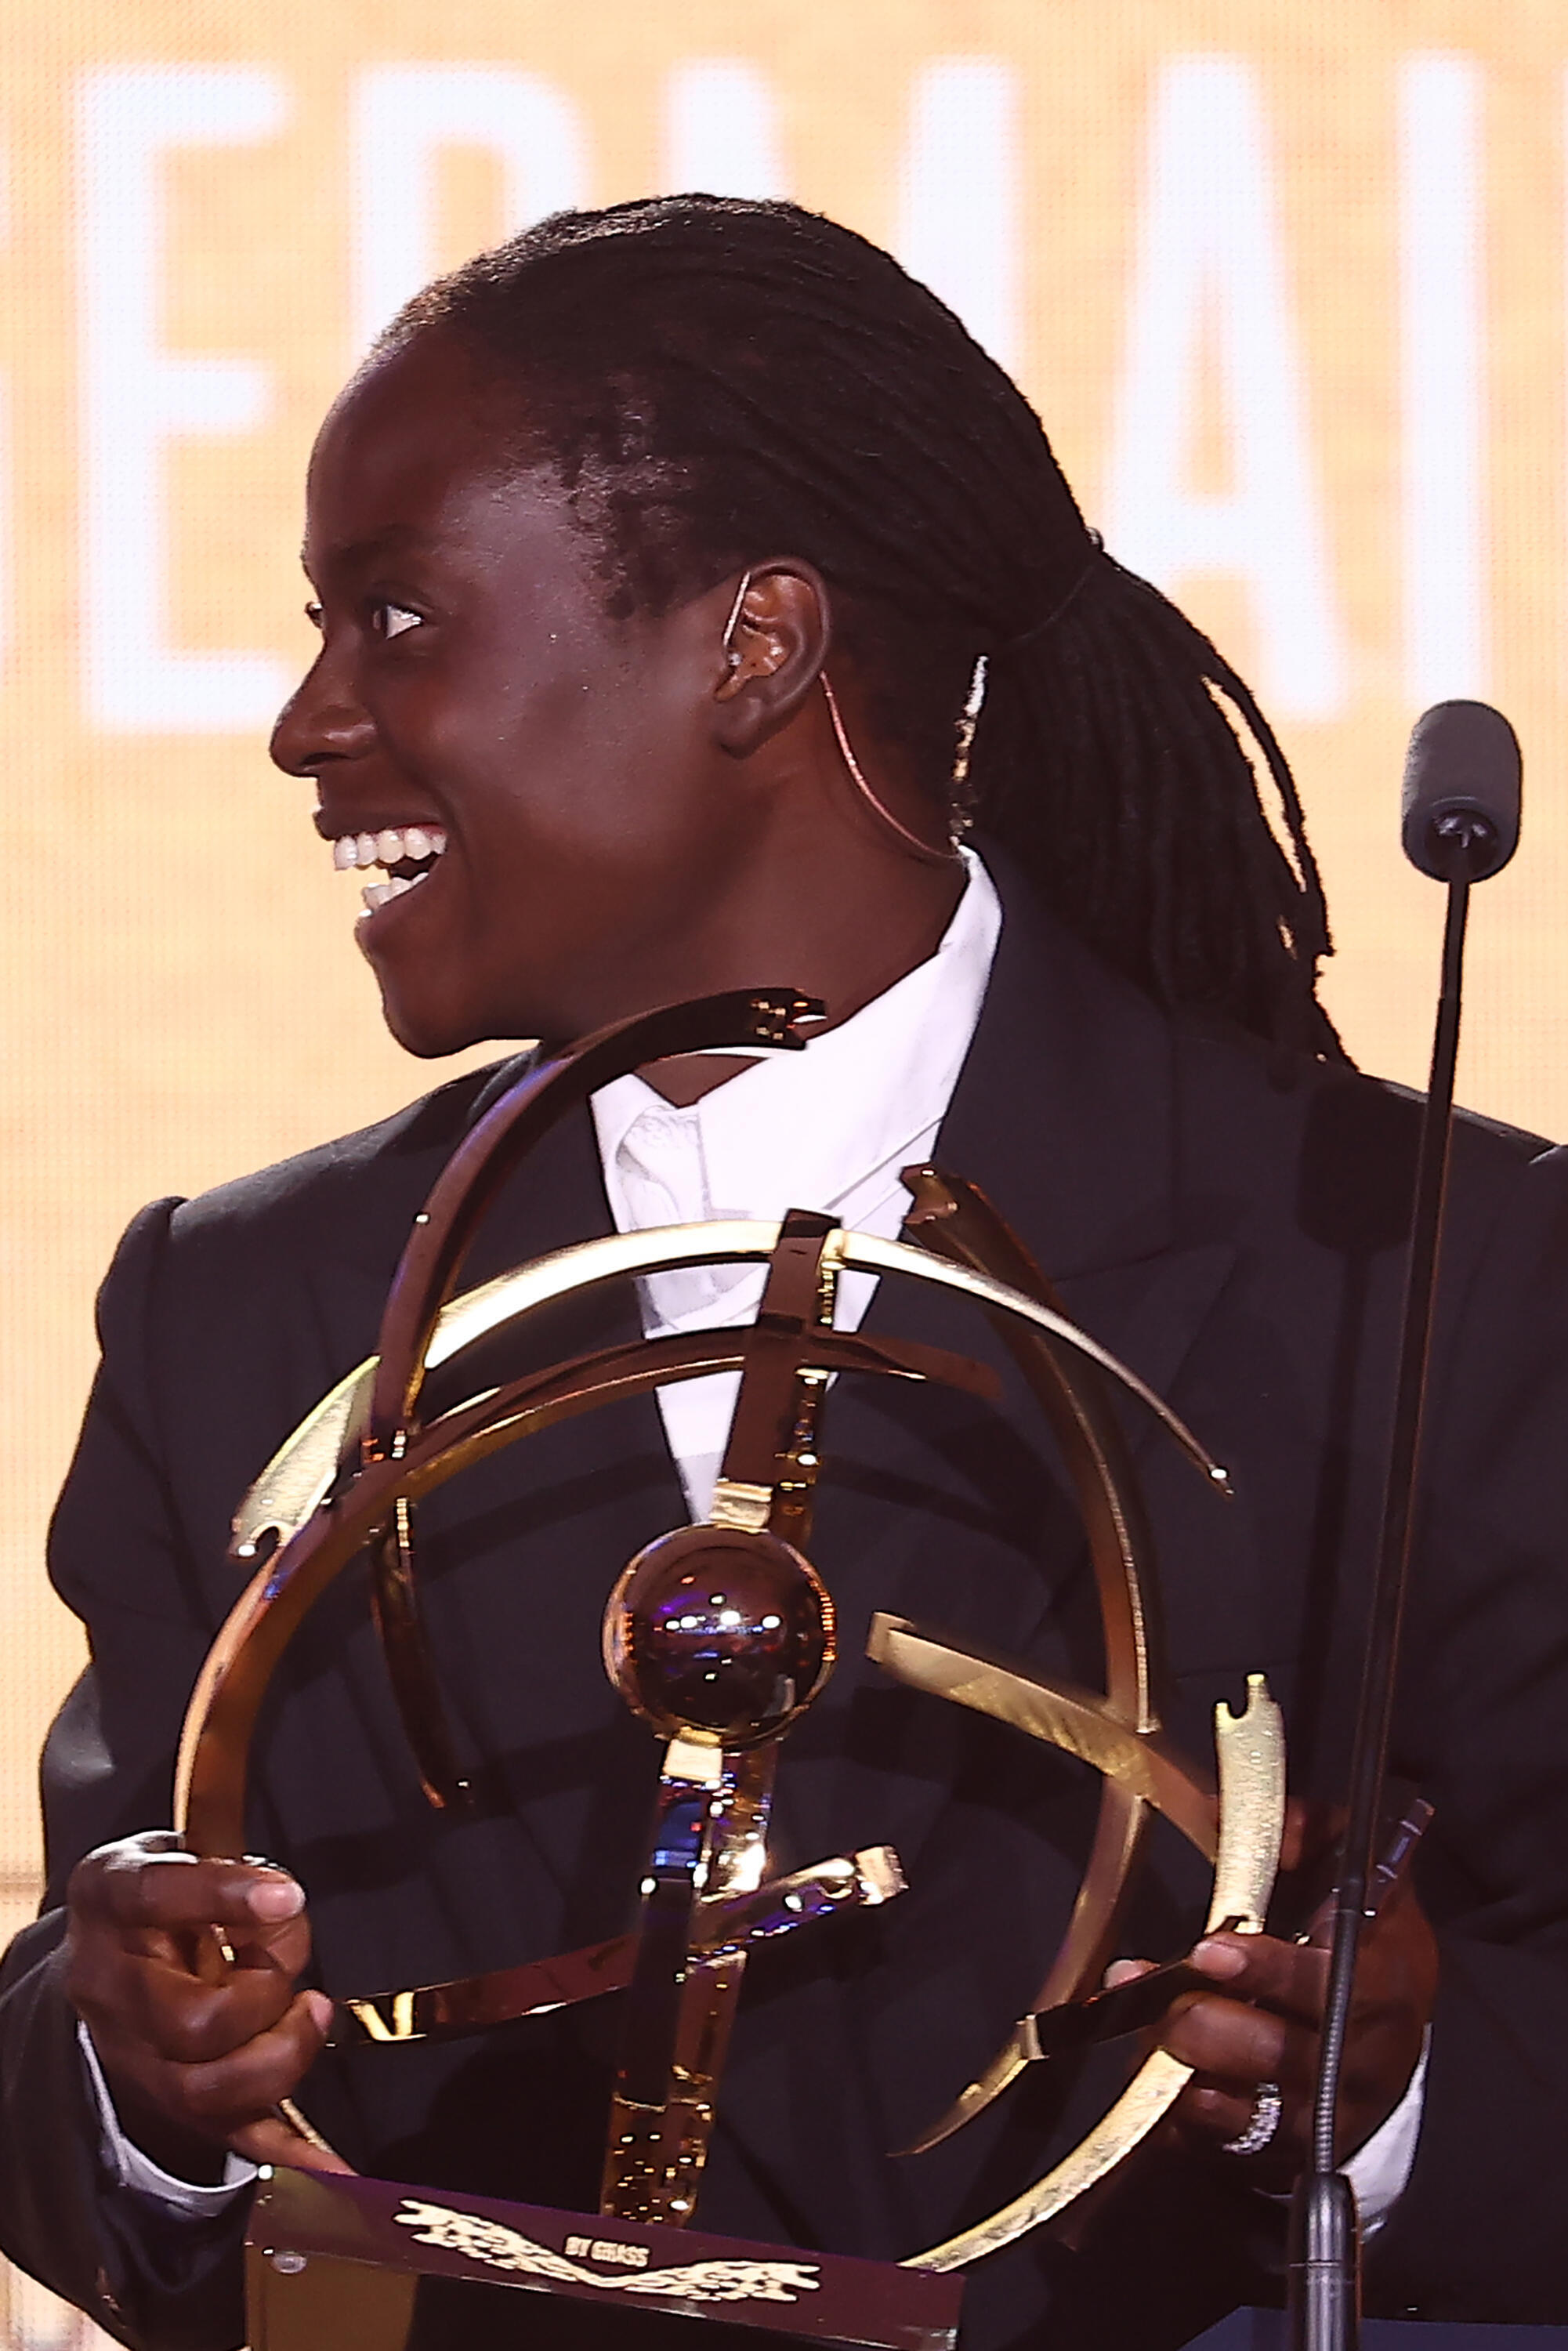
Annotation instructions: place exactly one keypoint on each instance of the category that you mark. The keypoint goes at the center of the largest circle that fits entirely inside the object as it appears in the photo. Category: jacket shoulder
(378, 1172)
(1343, 1141)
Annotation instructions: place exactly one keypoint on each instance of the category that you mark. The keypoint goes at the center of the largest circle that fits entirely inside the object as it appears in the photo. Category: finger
(222, 2096)
(1213, 2122)
(175, 2015)
(211, 1953)
(1289, 1977)
(1121, 1972)
(275, 2140)
(1219, 2110)
(129, 1889)
(287, 1947)
(1236, 2047)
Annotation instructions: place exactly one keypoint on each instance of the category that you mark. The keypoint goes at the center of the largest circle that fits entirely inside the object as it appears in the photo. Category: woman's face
(470, 689)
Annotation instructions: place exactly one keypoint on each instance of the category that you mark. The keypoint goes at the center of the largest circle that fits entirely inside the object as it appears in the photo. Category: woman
(688, 582)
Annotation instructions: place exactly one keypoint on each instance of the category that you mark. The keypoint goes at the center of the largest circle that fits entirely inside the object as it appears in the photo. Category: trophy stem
(710, 1838)
(654, 2153)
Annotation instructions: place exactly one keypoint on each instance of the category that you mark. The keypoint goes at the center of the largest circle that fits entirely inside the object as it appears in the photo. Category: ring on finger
(1267, 2106)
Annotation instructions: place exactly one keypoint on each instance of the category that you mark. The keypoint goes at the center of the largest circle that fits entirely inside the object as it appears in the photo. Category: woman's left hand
(1259, 2026)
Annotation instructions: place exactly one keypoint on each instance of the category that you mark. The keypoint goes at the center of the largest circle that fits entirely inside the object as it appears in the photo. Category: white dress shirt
(827, 1129)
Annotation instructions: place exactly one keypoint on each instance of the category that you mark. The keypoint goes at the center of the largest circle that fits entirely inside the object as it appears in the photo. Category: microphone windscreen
(1463, 760)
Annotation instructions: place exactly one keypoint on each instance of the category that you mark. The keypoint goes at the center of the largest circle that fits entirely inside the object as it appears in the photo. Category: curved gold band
(313, 1510)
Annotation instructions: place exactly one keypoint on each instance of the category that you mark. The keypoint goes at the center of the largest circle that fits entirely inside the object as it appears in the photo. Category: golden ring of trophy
(721, 1635)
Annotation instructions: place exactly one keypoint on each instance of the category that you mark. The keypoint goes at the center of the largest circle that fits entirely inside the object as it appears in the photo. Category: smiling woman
(627, 816)
(701, 608)
(562, 557)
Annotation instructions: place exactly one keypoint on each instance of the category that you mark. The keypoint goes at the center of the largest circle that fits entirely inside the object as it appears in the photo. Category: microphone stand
(1324, 2262)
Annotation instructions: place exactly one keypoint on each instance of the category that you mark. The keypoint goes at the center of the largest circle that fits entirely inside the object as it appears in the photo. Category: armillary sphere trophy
(719, 1635)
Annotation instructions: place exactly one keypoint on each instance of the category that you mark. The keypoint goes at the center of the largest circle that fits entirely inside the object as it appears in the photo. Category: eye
(390, 619)
(313, 613)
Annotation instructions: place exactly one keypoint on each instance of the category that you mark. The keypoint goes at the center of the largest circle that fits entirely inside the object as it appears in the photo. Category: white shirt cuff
(1380, 2171)
(129, 2167)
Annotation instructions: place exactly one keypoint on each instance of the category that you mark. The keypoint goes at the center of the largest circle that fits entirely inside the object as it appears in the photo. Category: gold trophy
(719, 1635)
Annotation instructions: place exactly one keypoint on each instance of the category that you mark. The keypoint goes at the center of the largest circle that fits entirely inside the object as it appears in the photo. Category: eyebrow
(398, 538)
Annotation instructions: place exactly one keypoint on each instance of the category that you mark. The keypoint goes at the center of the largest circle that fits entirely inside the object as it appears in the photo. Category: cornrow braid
(1119, 781)
(718, 381)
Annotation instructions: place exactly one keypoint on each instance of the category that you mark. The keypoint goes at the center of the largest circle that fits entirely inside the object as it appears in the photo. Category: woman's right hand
(197, 2052)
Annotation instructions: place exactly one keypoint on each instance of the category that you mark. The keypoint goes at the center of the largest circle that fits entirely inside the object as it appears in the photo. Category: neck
(843, 941)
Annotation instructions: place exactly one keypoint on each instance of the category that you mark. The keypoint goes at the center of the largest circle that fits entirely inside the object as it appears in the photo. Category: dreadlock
(719, 380)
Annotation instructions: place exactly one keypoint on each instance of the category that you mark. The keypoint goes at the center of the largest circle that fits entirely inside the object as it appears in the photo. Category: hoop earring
(911, 840)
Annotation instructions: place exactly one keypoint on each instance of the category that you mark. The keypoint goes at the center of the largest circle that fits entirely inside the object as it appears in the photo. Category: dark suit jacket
(1226, 1220)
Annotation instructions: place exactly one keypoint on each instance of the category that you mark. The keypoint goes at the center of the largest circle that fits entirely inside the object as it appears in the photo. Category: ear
(774, 652)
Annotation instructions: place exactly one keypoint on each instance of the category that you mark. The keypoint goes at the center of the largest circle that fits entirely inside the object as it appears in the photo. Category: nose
(323, 721)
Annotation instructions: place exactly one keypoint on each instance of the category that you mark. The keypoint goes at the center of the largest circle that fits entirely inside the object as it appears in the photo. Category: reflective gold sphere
(719, 1634)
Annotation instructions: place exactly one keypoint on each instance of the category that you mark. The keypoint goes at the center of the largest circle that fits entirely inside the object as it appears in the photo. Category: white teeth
(377, 894)
(391, 846)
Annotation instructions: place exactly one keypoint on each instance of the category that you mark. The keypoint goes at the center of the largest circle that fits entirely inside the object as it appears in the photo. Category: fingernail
(320, 2009)
(281, 1899)
(1219, 1959)
(1121, 1972)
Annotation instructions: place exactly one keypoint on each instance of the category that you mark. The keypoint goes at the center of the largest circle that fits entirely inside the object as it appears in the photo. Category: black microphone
(1460, 824)
(1461, 792)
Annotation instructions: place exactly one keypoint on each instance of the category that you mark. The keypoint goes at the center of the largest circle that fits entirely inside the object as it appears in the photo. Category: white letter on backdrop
(137, 397)
(1208, 252)
(1440, 378)
(721, 129)
(402, 117)
(958, 198)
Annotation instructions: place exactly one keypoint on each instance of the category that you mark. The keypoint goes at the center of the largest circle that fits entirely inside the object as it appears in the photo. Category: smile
(407, 853)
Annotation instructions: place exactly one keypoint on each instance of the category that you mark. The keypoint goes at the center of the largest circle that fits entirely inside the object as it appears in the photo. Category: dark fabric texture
(1226, 1220)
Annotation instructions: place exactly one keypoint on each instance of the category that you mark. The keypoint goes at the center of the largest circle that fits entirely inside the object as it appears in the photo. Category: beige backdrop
(1287, 284)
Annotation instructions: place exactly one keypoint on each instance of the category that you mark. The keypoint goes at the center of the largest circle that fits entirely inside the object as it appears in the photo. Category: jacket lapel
(1068, 1113)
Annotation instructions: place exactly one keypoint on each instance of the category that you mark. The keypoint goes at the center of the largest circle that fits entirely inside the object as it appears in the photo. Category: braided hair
(719, 380)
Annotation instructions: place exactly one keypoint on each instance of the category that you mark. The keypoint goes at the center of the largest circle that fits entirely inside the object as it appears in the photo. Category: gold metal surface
(313, 1510)
(210, 1773)
(656, 2145)
(1077, 1720)
(720, 1634)
(544, 1091)
(722, 1926)
(722, 1630)
(300, 1474)
(738, 1505)
(1250, 1751)
(297, 1480)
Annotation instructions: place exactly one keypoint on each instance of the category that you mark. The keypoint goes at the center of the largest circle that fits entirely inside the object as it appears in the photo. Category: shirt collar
(803, 1129)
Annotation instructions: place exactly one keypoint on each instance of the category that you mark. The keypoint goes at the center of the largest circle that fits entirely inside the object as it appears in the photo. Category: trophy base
(373, 2264)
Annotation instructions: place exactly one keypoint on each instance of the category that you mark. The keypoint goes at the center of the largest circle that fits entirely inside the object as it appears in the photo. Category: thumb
(1121, 1972)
